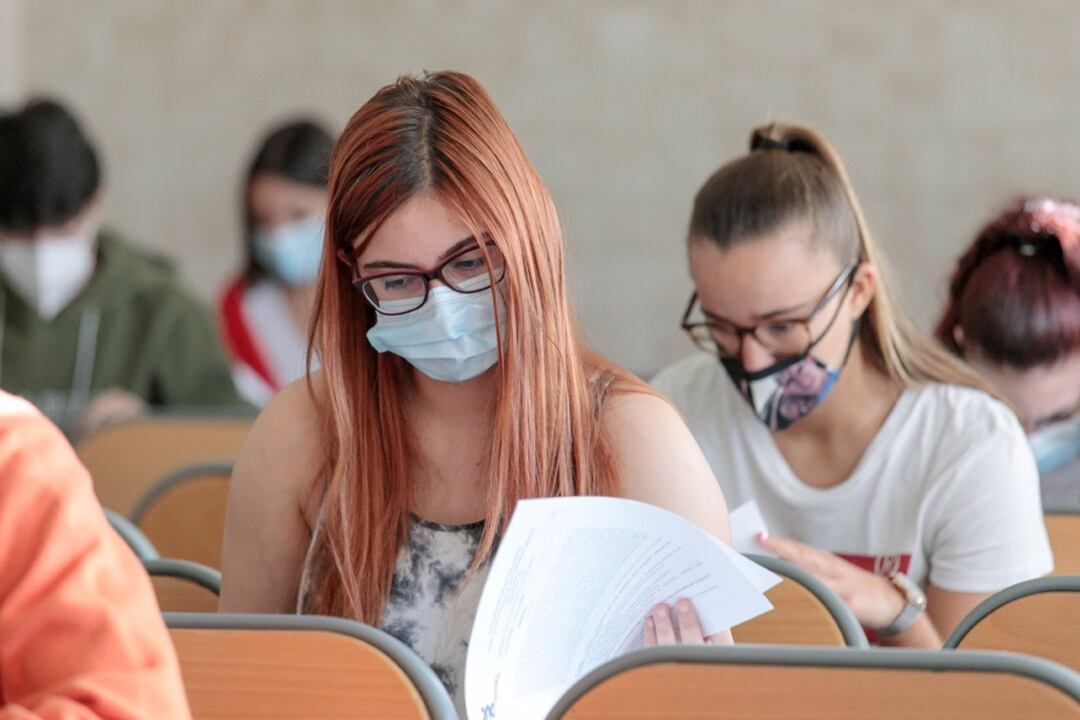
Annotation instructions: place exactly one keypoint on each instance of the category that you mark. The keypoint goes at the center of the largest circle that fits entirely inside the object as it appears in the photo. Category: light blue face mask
(292, 251)
(450, 338)
(1056, 445)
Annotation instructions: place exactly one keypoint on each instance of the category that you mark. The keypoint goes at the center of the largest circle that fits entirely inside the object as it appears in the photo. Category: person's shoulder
(635, 407)
(688, 370)
(135, 264)
(293, 414)
(640, 422)
(140, 278)
(652, 446)
(966, 436)
(958, 410)
(692, 377)
(22, 425)
(35, 456)
(284, 445)
(19, 418)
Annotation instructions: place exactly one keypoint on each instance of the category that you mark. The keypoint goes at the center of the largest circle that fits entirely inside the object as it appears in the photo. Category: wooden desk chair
(805, 612)
(801, 683)
(1039, 617)
(132, 536)
(183, 586)
(1064, 530)
(183, 515)
(291, 666)
(125, 460)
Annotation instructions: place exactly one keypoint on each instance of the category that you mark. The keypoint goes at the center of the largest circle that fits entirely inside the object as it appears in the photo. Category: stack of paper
(571, 586)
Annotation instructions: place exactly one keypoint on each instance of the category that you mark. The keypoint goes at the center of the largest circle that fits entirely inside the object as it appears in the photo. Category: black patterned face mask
(787, 393)
(788, 390)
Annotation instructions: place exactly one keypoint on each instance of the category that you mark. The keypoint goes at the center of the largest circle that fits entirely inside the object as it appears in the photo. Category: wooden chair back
(184, 514)
(1064, 531)
(1040, 617)
(182, 586)
(126, 459)
(798, 683)
(805, 612)
(263, 667)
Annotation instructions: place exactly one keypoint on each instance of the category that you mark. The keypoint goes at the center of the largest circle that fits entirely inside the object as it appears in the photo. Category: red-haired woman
(454, 384)
(1014, 314)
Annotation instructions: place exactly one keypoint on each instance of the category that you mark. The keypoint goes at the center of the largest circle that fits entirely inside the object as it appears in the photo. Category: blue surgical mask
(293, 251)
(1056, 445)
(451, 338)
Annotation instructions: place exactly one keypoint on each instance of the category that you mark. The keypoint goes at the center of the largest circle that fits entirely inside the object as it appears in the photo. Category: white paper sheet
(571, 586)
(763, 580)
(746, 523)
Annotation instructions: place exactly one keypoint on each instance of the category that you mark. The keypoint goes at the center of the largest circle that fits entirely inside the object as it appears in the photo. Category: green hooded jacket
(132, 327)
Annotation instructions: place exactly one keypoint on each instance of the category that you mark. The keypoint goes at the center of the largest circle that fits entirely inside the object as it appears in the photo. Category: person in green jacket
(92, 330)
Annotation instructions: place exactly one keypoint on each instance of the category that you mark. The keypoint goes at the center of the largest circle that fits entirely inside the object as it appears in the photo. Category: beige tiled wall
(10, 50)
(942, 110)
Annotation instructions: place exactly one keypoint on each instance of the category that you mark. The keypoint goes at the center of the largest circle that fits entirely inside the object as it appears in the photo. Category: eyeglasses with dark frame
(397, 292)
(787, 337)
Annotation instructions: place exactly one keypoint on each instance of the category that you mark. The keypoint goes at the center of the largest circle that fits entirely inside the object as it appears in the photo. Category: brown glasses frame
(430, 275)
(843, 280)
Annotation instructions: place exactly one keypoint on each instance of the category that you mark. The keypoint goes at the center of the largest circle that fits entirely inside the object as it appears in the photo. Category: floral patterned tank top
(432, 601)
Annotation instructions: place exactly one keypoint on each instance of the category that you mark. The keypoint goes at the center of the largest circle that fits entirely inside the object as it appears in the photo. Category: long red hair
(442, 133)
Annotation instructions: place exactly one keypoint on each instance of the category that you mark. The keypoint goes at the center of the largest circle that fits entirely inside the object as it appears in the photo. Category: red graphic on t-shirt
(879, 565)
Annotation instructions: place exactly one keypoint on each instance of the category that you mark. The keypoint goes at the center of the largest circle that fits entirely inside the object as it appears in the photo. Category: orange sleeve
(81, 635)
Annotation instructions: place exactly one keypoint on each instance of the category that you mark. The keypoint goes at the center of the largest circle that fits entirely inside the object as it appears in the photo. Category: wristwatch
(915, 603)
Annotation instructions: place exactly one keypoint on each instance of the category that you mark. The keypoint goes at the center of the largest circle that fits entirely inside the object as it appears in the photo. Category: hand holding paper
(571, 586)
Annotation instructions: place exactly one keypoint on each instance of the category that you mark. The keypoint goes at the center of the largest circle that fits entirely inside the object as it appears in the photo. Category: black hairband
(794, 145)
(1043, 243)
(767, 143)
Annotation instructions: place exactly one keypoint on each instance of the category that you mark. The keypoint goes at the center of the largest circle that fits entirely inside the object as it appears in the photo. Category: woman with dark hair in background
(881, 464)
(1014, 315)
(92, 330)
(265, 313)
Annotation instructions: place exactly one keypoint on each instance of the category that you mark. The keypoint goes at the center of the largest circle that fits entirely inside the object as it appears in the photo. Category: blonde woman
(881, 464)
(453, 385)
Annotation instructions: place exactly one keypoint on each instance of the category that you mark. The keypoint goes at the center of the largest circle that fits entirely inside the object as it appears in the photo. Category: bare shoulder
(283, 448)
(659, 462)
(270, 513)
(630, 413)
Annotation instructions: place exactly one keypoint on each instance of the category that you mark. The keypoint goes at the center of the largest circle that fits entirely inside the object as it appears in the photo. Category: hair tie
(792, 146)
(767, 143)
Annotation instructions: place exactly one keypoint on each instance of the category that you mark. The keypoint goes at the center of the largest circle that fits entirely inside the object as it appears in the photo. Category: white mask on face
(48, 272)
(451, 338)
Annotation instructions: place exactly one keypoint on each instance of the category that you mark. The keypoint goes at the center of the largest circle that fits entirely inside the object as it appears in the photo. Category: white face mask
(48, 272)
(451, 338)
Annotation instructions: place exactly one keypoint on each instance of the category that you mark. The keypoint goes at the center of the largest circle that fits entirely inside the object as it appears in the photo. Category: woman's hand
(874, 600)
(679, 625)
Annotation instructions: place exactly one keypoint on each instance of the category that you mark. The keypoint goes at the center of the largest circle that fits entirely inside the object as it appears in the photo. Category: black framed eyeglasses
(786, 337)
(397, 292)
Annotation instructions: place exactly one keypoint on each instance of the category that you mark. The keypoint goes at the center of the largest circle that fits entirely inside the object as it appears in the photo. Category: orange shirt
(81, 635)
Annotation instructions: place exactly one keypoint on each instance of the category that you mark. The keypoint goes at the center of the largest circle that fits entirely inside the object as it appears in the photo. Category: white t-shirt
(947, 491)
(281, 345)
